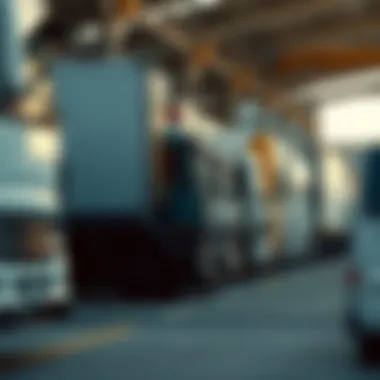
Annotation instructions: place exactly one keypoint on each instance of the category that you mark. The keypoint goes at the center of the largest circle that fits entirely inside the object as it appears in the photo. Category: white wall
(339, 191)
(350, 122)
(353, 123)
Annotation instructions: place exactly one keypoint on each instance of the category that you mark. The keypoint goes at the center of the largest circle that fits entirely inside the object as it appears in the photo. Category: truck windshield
(371, 185)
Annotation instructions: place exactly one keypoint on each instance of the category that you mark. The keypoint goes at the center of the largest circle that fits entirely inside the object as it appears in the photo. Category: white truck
(109, 182)
(108, 178)
(34, 266)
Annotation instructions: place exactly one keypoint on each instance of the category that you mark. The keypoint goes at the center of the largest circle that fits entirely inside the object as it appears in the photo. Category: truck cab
(34, 266)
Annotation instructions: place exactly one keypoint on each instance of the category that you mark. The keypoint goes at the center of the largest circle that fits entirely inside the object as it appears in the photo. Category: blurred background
(188, 188)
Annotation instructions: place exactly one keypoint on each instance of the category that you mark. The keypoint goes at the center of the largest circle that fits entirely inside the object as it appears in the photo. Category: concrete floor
(285, 327)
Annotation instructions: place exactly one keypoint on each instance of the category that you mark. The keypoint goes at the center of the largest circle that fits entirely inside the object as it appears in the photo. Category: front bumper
(26, 286)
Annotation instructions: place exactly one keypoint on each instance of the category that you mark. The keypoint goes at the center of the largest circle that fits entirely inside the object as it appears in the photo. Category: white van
(363, 275)
(34, 267)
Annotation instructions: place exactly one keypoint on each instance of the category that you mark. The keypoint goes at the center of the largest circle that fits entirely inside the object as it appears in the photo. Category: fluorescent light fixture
(180, 9)
(207, 3)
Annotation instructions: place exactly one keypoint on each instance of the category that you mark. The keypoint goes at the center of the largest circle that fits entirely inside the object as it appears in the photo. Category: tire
(245, 243)
(142, 275)
(368, 351)
(238, 263)
(209, 265)
(59, 312)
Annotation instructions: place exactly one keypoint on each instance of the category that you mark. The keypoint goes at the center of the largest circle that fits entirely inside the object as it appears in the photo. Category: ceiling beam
(278, 18)
(269, 94)
(341, 32)
(162, 12)
(182, 43)
(339, 86)
(326, 59)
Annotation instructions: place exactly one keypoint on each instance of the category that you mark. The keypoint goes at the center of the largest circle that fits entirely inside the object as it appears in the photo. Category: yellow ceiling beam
(331, 58)
(127, 9)
(239, 77)
(277, 18)
(337, 33)
(245, 81)
(202, 55)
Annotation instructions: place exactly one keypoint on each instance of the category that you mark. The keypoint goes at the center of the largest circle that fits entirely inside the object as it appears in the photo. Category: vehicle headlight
(42, 239)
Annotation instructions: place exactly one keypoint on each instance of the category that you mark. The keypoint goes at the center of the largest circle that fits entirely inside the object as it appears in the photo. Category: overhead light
(207, 3)
(180, 9)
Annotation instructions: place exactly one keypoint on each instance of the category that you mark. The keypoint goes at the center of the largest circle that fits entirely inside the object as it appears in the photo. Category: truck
(108, 179)
(151, 215)
(34, 265)
(142, 214)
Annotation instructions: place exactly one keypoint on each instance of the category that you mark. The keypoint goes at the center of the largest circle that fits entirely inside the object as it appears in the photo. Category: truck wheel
(60, 312)
(246, 250)
(142, 274)
(368, 350)
(234, 260)
(209, 265)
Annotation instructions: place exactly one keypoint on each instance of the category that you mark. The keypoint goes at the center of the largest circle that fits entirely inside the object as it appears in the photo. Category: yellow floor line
(78, 344)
